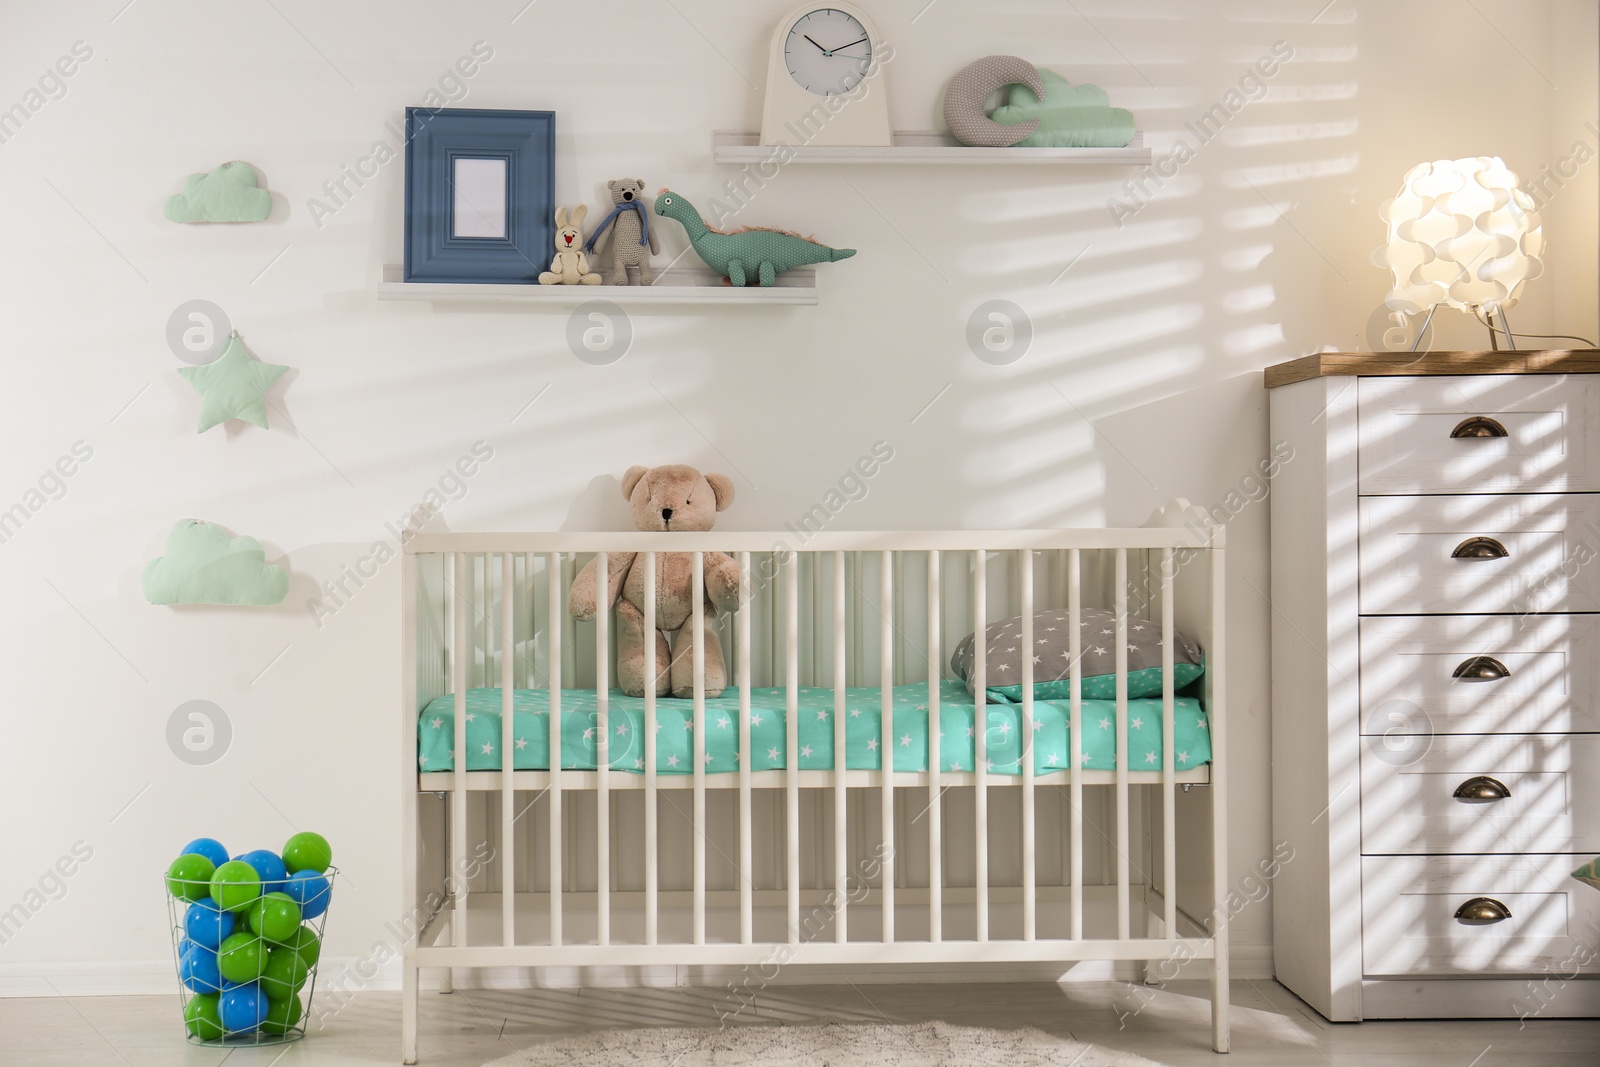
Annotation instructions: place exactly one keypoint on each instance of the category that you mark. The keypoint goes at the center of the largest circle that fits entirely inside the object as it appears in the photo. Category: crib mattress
(768, 731)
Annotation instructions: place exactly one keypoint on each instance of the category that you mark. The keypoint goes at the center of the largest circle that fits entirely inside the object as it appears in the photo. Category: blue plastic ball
(269, 865)
(197, 969)
(209, 847)
(243, 1008)
(311, 891)
(206, 924)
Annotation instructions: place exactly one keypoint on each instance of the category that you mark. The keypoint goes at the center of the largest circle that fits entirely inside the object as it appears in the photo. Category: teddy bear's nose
(628, 195)
(666, 514)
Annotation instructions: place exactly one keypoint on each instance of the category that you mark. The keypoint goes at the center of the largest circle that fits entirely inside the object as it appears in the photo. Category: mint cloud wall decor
(1069, 116)
(203, 565)
(228, 194)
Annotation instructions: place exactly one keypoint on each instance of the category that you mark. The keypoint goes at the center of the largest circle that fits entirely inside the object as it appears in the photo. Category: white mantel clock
(824, 80)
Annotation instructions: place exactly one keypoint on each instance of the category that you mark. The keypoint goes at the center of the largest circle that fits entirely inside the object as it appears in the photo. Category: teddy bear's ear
(722, 489)
(578, 213)
(631, 479)
(561, 218)
(639, 182)
(612, 185)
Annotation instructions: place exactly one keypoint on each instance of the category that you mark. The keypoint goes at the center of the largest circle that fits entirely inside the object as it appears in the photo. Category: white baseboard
(100, 979)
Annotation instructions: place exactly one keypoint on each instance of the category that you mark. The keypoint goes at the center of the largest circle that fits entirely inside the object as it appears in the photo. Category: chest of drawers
(1436, 683)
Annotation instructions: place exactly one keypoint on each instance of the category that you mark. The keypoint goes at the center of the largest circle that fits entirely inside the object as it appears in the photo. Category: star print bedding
(768, 731)
(1052, 653)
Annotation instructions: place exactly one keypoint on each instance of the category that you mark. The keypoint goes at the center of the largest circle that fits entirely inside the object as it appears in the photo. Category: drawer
(1409, 924)
(1517, 674)
(1551, 561)
(1408, 801)
(1545, 427)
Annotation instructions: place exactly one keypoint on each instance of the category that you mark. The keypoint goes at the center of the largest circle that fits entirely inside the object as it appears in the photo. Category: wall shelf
(676, 286)
(926, 147)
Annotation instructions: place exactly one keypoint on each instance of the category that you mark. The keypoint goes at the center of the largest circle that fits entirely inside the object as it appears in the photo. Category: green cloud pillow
(227, 194)
(203, 565)
(1070, 116)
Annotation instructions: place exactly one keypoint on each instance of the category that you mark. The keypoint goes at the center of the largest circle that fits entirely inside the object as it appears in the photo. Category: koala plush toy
(627, 230)
(676, 498)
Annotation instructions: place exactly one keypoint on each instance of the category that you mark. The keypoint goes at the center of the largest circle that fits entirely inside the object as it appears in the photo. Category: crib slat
(697, 591)
(1121, 638)
(935, 755)
(791, 678)
(508, 795)
(652, 846)
(886, 739)
(980, 731)
(1215, 694)
(553, 573)
(1075, 737)
(458, 798)
(841, 887)
(1169, 847)
(1025, 745)
(602, 754)
(746, 901)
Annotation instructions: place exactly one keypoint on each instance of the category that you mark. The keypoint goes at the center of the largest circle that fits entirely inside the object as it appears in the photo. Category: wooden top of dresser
(1421, 364)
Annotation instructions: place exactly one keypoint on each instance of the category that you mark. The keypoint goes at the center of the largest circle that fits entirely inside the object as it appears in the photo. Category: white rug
(832, 1045)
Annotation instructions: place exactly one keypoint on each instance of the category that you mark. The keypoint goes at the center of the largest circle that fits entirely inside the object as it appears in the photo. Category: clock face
(828, 52)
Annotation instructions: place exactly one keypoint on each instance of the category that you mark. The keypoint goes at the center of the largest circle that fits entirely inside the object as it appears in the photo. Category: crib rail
(490, 610)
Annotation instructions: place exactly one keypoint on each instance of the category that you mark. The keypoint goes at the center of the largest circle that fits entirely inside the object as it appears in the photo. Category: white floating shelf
(923, 147)
(685, 287)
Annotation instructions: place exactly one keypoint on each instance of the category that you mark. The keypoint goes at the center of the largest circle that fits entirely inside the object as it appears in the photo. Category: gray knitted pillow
(1051, 652)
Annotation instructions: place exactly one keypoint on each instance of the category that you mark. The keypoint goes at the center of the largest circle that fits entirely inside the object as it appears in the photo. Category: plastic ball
(307, 944)
(311, 891)
(198, 969)
(307, 851)
(235, 885)
(210, 848)
(202, 1017)
(275, 917)
(189, 876)
(286, 972)
(242, 1009)
(242, 958)
(206, 924)
(269, 866)
(282, 1015)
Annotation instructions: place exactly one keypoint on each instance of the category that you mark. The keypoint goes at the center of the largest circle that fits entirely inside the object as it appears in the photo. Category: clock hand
(842, 47)
(821, 49)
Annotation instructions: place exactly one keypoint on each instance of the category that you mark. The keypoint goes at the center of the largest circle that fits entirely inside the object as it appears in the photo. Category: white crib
(561, 869)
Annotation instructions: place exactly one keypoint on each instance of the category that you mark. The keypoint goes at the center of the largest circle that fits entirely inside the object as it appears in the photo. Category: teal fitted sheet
(768, 731)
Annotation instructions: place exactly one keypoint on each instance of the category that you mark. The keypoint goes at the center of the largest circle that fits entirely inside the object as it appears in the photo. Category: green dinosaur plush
(749, 254)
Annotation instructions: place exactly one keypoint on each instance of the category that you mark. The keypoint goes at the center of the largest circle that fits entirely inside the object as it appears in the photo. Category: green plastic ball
(189, 877)
(275, 917)
(202, 1018)
(306, 943)
(282, 1015)
(242, 958)
(286, 972)
(234, 886)
(307, 851)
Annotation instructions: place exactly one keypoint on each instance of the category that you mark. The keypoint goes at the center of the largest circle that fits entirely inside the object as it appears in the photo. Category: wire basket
(271, 1008)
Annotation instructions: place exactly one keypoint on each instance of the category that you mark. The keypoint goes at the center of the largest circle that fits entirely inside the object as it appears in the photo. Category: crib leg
(410, 976)
(1219, 1003)
(447, 980)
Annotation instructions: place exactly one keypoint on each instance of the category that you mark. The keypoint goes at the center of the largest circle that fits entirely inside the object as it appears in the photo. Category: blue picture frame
(436, 138)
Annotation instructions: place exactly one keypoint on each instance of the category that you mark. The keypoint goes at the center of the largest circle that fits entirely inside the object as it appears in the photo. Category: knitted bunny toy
(570, 265)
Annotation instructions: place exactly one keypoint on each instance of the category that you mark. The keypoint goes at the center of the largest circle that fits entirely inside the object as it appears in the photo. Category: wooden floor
(471, 1027)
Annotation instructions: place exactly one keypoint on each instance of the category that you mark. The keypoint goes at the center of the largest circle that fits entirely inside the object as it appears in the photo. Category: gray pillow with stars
(1051, 656)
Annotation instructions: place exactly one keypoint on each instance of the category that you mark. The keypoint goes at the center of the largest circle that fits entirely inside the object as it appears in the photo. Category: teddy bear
(629, 224)
(676, 498)
(570, 265)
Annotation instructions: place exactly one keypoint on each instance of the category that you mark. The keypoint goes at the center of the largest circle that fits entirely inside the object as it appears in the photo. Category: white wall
(1143, 381)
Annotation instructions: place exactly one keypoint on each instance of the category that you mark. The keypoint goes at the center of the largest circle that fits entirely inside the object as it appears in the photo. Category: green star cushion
(768, 731)
(232, 386)
(1589, 873)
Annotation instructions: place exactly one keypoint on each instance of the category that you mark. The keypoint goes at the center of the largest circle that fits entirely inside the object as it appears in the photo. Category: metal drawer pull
(1479, 426)
(1481, 669)
(1480, 548)
(1481, 911)
(1482, 789)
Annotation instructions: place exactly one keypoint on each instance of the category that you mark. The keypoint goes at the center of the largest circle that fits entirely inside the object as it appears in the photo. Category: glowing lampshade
(1461, 232)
